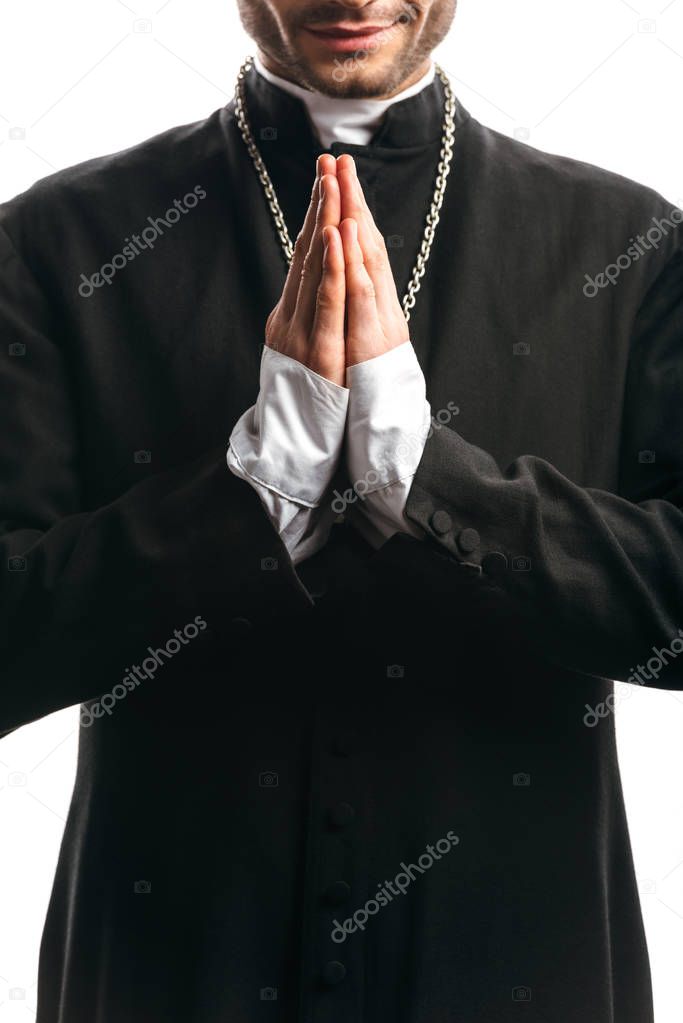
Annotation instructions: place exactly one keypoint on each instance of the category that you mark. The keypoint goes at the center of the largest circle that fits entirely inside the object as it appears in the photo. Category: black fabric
(432, 687)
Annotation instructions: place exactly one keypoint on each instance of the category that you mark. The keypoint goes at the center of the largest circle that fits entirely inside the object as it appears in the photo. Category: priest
(342, 472)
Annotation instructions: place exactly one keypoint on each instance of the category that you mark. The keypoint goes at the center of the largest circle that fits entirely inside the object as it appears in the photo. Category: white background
(600, 80)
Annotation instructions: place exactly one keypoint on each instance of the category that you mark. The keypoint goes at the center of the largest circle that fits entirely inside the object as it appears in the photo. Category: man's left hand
(375, 322)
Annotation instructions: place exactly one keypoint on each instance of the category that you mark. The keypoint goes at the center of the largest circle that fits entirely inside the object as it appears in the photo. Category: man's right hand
(307, 324)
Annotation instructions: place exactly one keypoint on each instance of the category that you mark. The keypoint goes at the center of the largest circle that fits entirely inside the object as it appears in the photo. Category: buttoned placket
(332, 971)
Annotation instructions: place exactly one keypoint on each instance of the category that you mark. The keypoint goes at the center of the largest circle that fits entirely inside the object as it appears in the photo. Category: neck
(281, 71)
(342, 119)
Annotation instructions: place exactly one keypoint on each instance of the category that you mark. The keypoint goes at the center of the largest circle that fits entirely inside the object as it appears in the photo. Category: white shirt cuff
(290, 441)
(389, 419)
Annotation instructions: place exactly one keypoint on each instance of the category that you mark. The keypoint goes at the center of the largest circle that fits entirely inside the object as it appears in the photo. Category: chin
(356, 86)
(347, 78)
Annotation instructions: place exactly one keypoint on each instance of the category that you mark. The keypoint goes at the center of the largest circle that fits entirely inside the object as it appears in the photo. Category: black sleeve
(83, 593)
(596, 578)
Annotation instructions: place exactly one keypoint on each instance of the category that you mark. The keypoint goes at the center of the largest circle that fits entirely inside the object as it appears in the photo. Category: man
(342, 608)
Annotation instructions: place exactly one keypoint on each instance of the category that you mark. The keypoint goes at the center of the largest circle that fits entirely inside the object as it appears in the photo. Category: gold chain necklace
(442, 171)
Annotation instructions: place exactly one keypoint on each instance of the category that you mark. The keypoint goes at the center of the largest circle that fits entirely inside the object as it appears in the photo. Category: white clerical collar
(343, 120)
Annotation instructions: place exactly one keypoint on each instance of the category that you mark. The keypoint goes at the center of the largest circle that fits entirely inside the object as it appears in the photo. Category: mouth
(347, 38)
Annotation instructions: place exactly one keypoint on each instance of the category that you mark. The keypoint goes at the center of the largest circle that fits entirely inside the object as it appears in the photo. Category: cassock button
(334, 972)
(241, 626)
(341, 815)
(468, 540)
(494, 564)
(338, 893)
(441, 522)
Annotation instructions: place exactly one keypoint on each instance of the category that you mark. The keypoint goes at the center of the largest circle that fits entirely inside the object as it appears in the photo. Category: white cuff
(389, 419)
(291, 439)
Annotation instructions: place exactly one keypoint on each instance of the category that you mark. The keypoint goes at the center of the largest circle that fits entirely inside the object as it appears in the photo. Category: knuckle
(323, 309)
(287, 342)
(356, 211)
(378, 236)
(272, 331)
(326, 299)
(400, 325)
(308, 263)
(330, 272)
(376, 258)
(363, 289)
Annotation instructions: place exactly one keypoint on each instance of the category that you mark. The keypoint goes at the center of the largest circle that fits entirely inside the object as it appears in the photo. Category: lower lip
(346, 43)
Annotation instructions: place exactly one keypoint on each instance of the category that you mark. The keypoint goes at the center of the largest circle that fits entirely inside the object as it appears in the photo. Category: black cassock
(306, 747)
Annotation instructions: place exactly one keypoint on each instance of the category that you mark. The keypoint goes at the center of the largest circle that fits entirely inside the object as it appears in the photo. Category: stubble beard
(359, 80)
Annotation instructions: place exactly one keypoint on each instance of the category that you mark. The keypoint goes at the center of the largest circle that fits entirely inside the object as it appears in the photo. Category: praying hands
(339, 306)
(340, 384)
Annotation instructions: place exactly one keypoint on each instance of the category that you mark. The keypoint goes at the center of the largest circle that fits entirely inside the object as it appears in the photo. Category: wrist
(389, 418)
